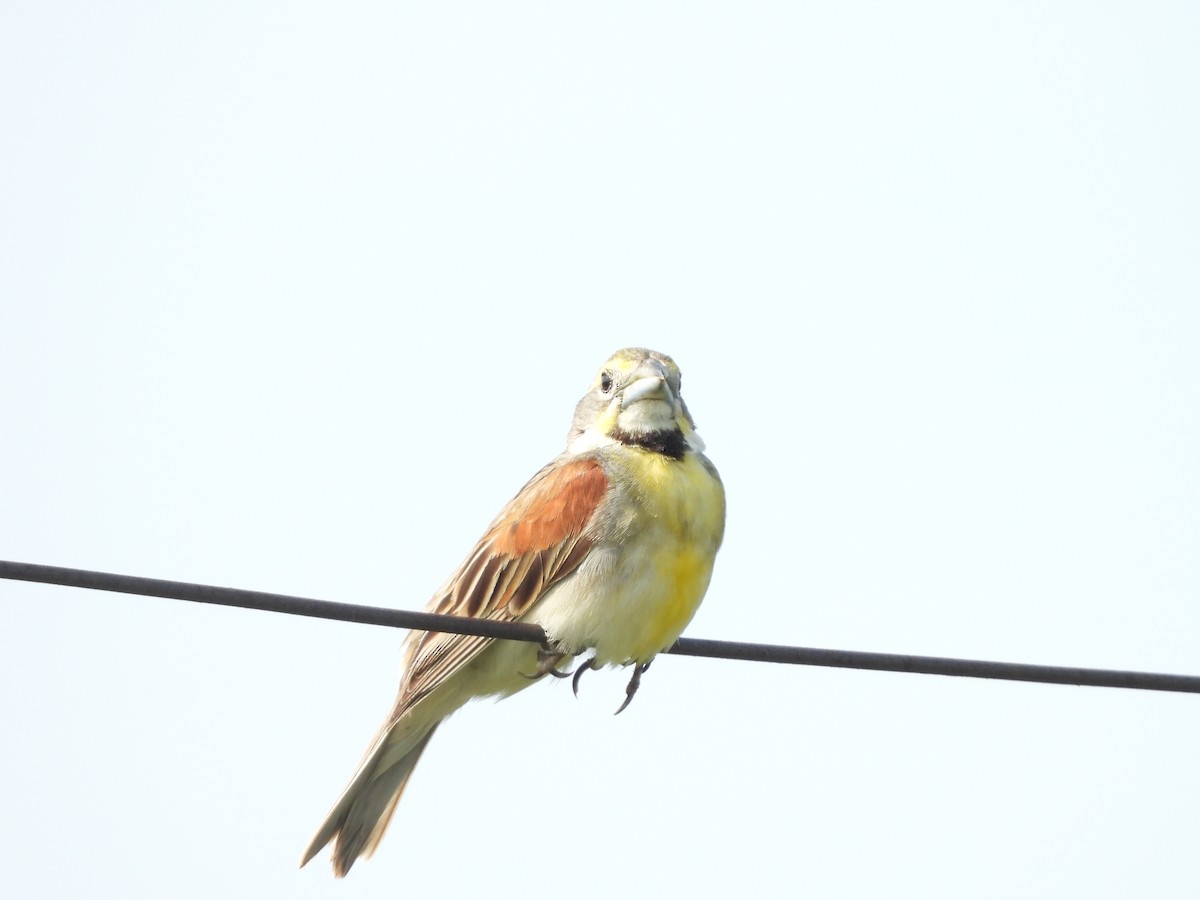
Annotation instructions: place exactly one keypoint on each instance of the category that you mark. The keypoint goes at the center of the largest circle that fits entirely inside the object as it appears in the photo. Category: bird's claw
(583, 667)
(634, 683)
(548, 659)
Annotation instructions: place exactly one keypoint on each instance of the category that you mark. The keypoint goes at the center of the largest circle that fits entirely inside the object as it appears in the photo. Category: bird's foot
(634, 683)
(583, 667)
(548, 659)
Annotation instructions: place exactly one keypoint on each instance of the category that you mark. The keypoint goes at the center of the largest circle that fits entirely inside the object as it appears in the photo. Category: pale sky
(295, 296)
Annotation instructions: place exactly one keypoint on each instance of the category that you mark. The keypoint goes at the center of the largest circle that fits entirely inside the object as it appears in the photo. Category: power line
(521, 631)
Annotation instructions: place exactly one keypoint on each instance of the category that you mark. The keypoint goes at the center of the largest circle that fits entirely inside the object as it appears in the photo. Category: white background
(295, 296)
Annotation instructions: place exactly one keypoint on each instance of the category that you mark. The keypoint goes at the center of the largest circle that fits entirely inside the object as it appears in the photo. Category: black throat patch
(669, 443)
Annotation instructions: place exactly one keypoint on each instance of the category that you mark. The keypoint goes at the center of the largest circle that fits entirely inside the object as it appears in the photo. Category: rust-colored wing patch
(555, 504)
(537, 540)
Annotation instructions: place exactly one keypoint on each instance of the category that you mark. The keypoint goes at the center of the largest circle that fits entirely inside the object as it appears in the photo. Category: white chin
(647, 415)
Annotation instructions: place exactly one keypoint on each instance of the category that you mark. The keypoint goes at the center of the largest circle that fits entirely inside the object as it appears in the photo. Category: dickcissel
(609, 549)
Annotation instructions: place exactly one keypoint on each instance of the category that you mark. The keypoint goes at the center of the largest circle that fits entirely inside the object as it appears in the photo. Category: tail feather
(358, 820)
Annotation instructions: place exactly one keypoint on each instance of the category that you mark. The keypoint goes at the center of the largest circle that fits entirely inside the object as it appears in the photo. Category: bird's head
(634, 399)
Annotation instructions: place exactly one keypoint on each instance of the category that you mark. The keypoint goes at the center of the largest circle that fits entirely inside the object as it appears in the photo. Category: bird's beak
(649, 383)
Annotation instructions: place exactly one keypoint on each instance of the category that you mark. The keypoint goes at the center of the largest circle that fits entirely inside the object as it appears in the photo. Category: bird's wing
(537, 540)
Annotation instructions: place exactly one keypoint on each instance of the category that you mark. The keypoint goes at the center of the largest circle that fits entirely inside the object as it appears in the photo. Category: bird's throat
(669, 442)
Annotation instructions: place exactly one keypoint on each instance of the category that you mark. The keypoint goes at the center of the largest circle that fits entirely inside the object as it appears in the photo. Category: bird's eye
(606, 382)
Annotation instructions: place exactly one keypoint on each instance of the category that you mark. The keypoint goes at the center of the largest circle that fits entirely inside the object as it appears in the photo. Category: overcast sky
(293, 297)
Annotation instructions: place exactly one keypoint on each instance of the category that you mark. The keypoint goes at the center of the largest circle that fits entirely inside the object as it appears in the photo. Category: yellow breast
(677, 529)
(650, 565)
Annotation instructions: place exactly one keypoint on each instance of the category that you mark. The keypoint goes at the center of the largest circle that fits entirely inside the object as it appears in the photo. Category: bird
(609, 548)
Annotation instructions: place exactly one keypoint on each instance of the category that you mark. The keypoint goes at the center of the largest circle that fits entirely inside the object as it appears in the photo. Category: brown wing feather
(537, 540)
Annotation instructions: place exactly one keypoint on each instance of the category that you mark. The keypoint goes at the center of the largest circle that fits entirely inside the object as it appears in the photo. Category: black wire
(523, 631)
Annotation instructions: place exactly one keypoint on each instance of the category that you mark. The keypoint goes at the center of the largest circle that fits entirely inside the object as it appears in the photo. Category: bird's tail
(358, 820)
